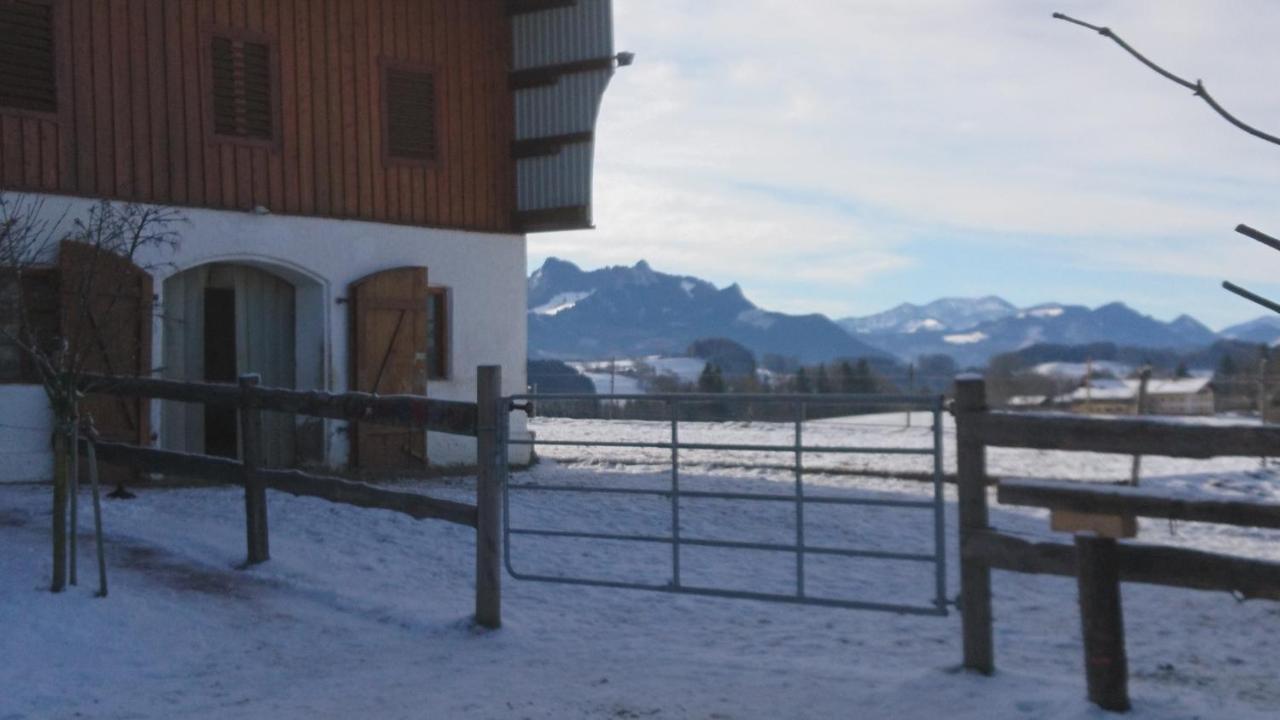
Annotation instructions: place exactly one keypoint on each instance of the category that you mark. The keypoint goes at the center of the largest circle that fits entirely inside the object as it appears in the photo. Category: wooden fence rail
(1123, 435)
(1142, 502)
(1100, 564)
(409, 411)
(1139, 563)
(479, 420)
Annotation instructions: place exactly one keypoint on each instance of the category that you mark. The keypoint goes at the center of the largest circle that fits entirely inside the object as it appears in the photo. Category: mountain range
(973, 343)
(637, 311)
(945, 314)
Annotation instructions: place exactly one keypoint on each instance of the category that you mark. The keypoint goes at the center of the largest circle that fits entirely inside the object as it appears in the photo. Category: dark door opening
(220, 367)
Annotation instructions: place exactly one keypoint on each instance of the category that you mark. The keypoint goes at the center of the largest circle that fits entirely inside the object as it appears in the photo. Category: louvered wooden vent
(28, 73)
(242, 97)
(411, 114)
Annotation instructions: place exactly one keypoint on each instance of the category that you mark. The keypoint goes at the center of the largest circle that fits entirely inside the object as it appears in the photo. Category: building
(358, 179)
(1179, 396)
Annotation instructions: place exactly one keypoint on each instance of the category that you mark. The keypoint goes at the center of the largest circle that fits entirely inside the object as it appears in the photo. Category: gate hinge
(524, 407)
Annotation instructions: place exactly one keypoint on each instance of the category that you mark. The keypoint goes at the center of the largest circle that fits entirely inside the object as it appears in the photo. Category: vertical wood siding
(135, 115)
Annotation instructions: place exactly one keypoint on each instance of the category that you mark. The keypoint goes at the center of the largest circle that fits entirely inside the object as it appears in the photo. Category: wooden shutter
(411, 114)
(106, 319)
(388, 357)
(243, 104)
(28, 70)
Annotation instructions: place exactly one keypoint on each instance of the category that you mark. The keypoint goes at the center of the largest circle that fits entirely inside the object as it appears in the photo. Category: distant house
(1029, 402)
(1180, 396)
(359, 178)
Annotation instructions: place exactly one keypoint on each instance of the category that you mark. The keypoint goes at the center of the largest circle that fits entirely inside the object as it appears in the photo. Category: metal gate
(799, 497)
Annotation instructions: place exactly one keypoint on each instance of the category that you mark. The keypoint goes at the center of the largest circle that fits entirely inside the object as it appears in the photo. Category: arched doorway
(223, 320)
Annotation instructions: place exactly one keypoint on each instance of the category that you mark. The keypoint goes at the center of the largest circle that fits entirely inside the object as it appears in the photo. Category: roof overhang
(563, 60)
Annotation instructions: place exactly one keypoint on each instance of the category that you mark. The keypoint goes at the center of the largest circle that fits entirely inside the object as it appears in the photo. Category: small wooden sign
(1107, 526)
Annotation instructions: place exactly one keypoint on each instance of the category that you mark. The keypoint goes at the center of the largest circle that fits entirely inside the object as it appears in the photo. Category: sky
(844, 156)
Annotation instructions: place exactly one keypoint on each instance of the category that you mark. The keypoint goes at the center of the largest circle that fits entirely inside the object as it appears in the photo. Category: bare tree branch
(1258, 235)
(1251, 296)
(1197, 87)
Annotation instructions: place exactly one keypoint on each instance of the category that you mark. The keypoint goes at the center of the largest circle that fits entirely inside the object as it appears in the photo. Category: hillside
(637, 311)
(1051, 323)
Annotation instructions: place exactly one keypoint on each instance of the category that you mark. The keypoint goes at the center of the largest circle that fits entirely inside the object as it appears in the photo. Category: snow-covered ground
(365, 613)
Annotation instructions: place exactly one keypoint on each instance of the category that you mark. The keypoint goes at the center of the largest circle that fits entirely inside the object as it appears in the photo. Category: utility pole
(613, 374)
(911, 387)
(1263, 400)
(1088, 385)
(1144, 376)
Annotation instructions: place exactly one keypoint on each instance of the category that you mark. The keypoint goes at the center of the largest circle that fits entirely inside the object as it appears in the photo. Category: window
(28, 70)
(243, 98)
(40, 304)
(437, 333)
(410, 99)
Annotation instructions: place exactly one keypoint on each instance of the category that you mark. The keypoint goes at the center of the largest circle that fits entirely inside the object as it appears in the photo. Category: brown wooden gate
(389, 357)
(106, 318)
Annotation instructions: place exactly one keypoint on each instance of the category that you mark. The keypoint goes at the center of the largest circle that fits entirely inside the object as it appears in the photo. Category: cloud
(878, 123)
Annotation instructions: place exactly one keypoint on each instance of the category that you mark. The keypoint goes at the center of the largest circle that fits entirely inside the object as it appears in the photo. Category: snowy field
(364, 614)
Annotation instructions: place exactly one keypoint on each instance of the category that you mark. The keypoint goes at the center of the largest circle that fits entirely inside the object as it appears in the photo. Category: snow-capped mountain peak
(949, 314)
(637, 311)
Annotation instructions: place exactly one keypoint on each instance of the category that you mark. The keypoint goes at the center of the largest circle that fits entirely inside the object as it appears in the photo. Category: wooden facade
(135, 110)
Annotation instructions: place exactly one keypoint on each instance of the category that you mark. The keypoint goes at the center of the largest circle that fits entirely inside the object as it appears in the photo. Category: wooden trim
(212, 136)
(551, 74)
(574, 217)
(526, 7)
(387, 63)
(548, 145)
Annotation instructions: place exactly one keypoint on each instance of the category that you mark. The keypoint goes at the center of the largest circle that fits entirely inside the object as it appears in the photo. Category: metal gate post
(675, 493)
(800, 499)
(491, 452)
(939, 511)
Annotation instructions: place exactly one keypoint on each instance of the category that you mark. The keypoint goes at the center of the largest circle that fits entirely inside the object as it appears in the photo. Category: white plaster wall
(26, 424)
(485, 274)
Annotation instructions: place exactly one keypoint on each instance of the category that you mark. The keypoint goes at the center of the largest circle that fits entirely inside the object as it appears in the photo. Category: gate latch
(524, 407)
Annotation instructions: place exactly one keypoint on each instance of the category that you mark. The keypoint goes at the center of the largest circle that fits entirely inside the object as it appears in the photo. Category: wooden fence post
(1106, 666)
(490, 462)
(975, 574)
(255, 491)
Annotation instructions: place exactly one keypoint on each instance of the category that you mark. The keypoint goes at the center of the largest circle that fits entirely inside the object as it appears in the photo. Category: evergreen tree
(801, 382)
(821, 382)
(1227, 366)
(846, 378)
(863, 380)
(711, 380)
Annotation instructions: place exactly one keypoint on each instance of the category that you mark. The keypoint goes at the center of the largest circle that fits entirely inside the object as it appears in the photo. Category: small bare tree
(1198, 89)
(65, 305)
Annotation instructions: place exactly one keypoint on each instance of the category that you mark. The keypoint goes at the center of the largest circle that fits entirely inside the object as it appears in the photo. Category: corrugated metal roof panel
(579, 33)
(583, 31)
(569, 106)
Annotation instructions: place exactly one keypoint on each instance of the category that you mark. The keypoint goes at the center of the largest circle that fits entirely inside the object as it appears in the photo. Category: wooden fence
(479, 420)
(1098, 563)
